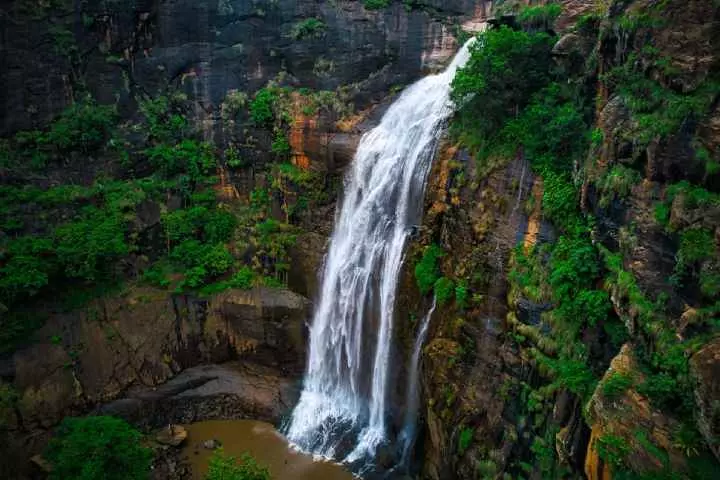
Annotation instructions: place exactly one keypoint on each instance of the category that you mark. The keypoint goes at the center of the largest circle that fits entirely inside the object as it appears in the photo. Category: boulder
(630, 419)
(172, 435)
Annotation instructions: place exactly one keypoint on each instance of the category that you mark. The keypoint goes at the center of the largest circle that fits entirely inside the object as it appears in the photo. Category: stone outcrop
(234, 390)
(141, 339)
(625, 423)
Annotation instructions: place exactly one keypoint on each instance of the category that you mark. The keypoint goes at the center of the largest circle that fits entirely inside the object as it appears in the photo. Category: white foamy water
(345, 394)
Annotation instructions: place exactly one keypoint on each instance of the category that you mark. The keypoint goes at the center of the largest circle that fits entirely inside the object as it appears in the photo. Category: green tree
(506, 68)
(97, 448)
(225, 467)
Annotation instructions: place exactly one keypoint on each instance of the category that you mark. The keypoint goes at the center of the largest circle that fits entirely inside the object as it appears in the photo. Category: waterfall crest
(345, 389)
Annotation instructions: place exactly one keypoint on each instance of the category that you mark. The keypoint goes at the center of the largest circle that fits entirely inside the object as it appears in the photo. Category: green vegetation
(262, 107)
(616, 384)
(225, 467)
(94, 448)
(376, 4)
(617, 184)
(465, 439)
(444, 290)
(657, 110)
(501, 77)
(82, 128)
(540, 16)
(308, 28)
(8, 402)
(612, 449)
(427, 271)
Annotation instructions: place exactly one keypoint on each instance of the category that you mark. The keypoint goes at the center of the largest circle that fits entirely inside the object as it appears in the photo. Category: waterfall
(407, 435)
(345, 389)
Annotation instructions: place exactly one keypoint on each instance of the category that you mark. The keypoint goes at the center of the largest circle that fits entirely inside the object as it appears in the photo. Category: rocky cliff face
(492, 405)
(330, 65)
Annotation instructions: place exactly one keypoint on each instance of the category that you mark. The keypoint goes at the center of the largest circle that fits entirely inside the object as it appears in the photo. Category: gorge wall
(219, 168)
(117, 318)
(504, 397)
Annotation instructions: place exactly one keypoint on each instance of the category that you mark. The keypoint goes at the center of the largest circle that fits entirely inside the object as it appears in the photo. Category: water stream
(412, 391)
(344, 401)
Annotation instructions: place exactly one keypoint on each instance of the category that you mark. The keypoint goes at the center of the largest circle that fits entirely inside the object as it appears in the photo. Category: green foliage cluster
(84, 127)
(612, 449)
(280, 145)
(308, 28)
(188, 157)
(94, 448)
(226, 467)
(427, 271)
(506, 69)
(84, 249)
(262, 107)
(164, 119)
(540, 16)
(376, 4)
(574, 271)
(696, 244)
(444, 290)
(658, 110)
(465, 439)
(8, 402)
(616, 184)
(616, 384)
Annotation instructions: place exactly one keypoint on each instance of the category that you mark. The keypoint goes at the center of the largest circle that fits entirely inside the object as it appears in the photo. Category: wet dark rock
(210, 392)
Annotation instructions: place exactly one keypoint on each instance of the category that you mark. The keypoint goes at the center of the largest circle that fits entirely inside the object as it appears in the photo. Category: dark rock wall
(52, 51)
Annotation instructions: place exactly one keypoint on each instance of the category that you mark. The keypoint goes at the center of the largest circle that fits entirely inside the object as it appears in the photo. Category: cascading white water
(407, 435)
(345, 390)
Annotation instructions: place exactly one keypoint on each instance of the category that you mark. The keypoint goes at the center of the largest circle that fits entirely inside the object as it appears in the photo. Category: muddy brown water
(263, 442)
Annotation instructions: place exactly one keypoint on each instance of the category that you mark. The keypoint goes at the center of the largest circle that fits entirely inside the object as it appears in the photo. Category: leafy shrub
(83, 127)
(243, 278)
(612, 449)
(262, 107)
(280, 145)
(465, 439)
(427, 270)
(88, 247)
(573, 374)
(8, 402)
(506, 68)
(461, 294)
(225, 467)
(444, 290)
(196, 159)
(574, 265)
(541, 16)
(201, 261)
(164, 121)
(617, 184)
(28, 263)
(696, 244)
(616, 384)
(658, 111)
(376, 4)
(95, 448)
(308, 28)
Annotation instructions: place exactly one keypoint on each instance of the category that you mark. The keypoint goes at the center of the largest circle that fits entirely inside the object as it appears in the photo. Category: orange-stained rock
(535, 216)
(630, 416)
